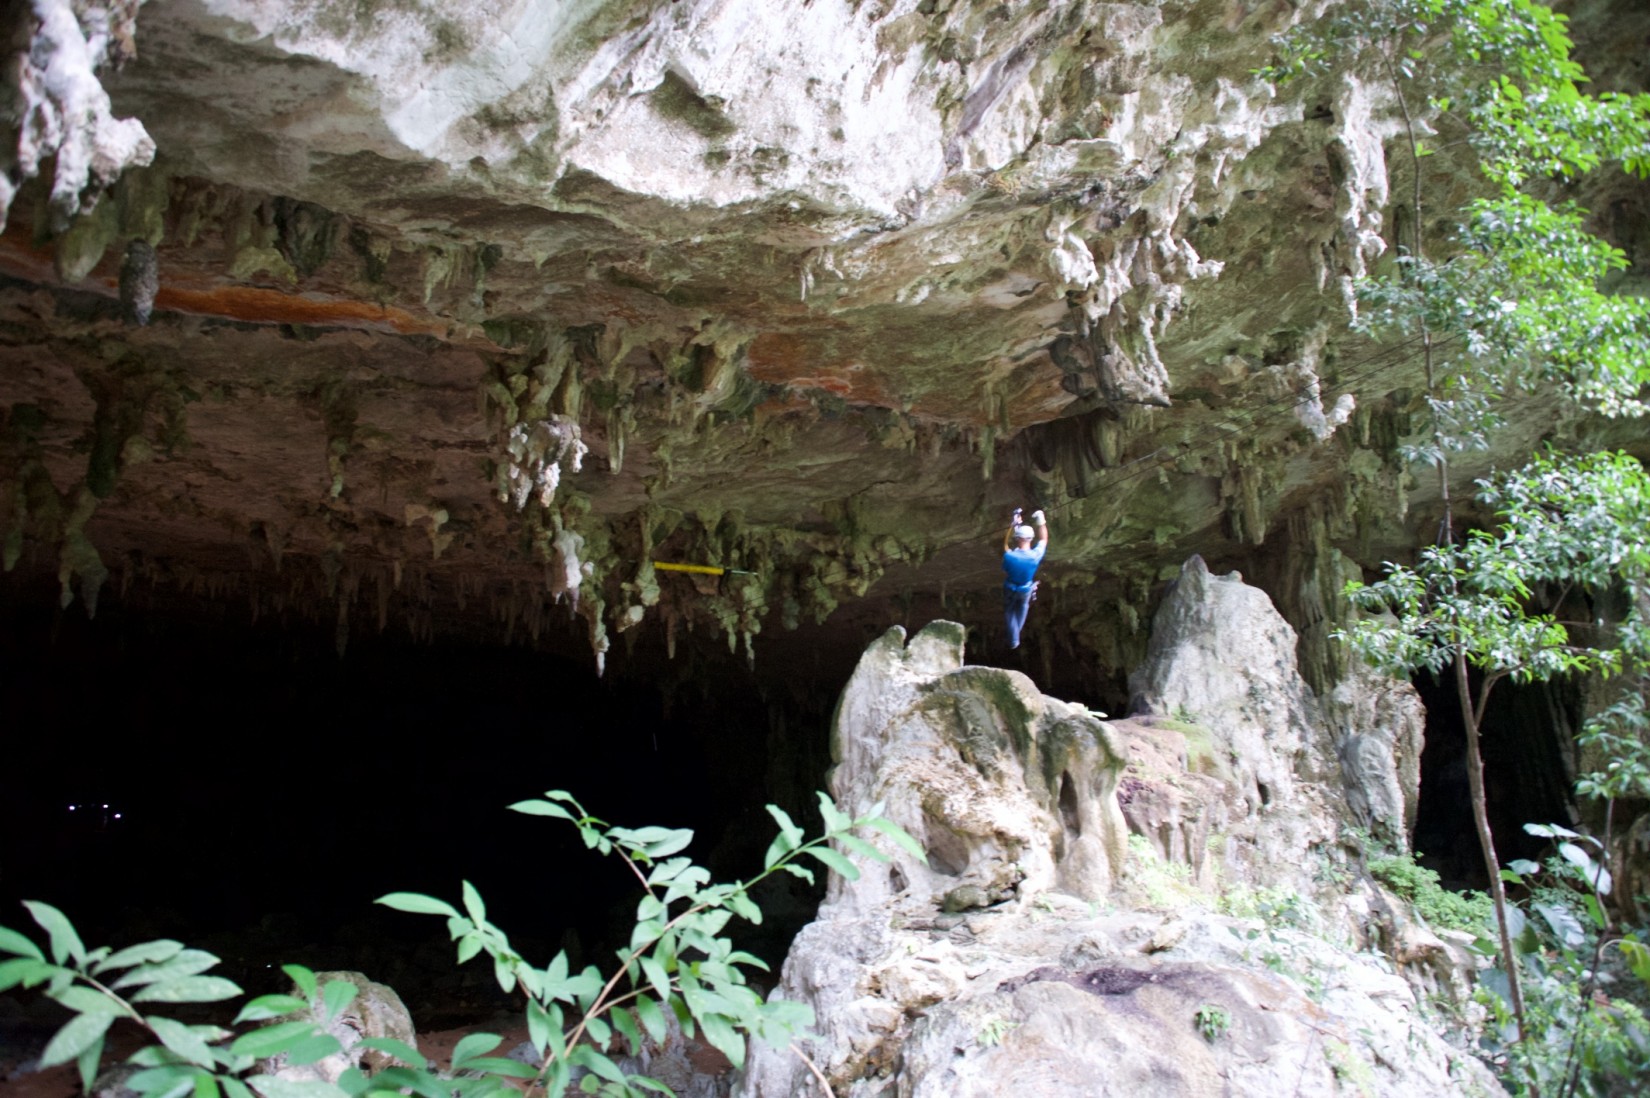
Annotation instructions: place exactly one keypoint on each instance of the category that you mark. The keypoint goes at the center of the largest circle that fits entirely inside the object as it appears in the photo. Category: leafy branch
(680, 966)
(677, 960)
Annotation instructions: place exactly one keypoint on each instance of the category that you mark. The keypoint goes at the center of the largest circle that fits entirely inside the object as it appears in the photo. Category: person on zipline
(1020, 561)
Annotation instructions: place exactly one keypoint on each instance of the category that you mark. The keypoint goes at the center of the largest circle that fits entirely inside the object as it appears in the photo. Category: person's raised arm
(1039, 520)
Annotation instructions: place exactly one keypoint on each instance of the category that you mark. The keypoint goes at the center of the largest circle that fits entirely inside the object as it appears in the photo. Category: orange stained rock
(784, 358)
(190, 293)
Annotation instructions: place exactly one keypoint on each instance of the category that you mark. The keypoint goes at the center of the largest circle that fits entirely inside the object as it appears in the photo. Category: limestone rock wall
(1036, 951)
(434, 316)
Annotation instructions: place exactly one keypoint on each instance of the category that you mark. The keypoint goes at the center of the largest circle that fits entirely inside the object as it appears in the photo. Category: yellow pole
(701, 569)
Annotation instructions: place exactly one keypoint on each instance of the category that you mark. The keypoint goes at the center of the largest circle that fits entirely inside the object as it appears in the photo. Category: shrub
(1439, 907)
(679, 962)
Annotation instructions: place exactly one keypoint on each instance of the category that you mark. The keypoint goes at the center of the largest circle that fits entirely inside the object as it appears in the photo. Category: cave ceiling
(450, 317)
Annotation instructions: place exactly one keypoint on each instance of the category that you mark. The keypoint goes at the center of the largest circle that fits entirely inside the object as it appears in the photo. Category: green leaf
(65, 942)
(538, 1026)
(652, 1019)
(835, 860)
(1638, 958)
(777, 849)
(143, 953)
(336, 995)
(473, 1045)
(504, 974)
(303, 978)
(26, 971)
(587, 1057)
(417, 903)
(265, 1007)
(542, 808)
(501, 1065)
(166, 1081)
(186, 962)
(791, 833)
(667, 871)
(181, 1040)
(87, 1064)
(397, 1080)
(311, 1049)
(1566, 927)
(835, 819)
(625, 1023)
(272, 1087)
(744, 907)
(235, 1088)
(189, 989)
(473, 905)
(656, 976)
(13, 942)
(83, 1000)
(270, 1040)
(719, 1033)
(662, 842)
(206, 1086)
(398, 1049)
(859, 846)
(76, 1036)
(901, 837)
(1595, 875)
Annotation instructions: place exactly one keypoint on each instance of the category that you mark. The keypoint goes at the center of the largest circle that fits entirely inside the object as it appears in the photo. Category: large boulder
(374, 1011)
(1033, 953)
(1296, 775)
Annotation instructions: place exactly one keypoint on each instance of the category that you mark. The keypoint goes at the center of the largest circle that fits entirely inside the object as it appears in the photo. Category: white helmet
(1024, 533)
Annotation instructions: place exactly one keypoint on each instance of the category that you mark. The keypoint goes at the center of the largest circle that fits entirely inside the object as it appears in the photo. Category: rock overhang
(1084, 260)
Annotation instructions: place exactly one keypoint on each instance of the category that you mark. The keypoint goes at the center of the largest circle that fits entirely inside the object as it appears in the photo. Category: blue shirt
(1021, 565)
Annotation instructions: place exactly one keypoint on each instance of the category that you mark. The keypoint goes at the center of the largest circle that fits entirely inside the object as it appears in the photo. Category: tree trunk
(1471, 716)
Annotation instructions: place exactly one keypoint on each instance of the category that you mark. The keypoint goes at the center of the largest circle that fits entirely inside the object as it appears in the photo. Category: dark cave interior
(245, 788)
(1527, 777)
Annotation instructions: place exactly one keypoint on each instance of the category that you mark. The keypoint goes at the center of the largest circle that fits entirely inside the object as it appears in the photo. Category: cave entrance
(1528, 775)
(262, 791)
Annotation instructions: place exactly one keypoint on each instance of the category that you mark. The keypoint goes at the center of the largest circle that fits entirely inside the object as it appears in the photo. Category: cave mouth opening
(263, 790)
(1528, 775)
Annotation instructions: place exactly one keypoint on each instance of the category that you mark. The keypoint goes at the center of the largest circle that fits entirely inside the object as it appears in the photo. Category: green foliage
(1212, 1022)
(1581, 1040)
(1565, 523)
(1439, 907)
(679, 964)
(992, 1033)
(1621, 736)
(1517, 307)
(1513, 305)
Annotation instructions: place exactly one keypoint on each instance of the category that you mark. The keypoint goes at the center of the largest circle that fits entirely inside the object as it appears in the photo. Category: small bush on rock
(1440, 908)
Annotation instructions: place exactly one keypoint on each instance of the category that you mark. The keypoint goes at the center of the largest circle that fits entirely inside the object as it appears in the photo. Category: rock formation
(1044, 949)
(460, 314)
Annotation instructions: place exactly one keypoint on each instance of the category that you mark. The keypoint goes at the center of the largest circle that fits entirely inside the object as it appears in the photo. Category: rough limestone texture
(1034, 953)
(58, 113)
(454, 316)
(375, 1011)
